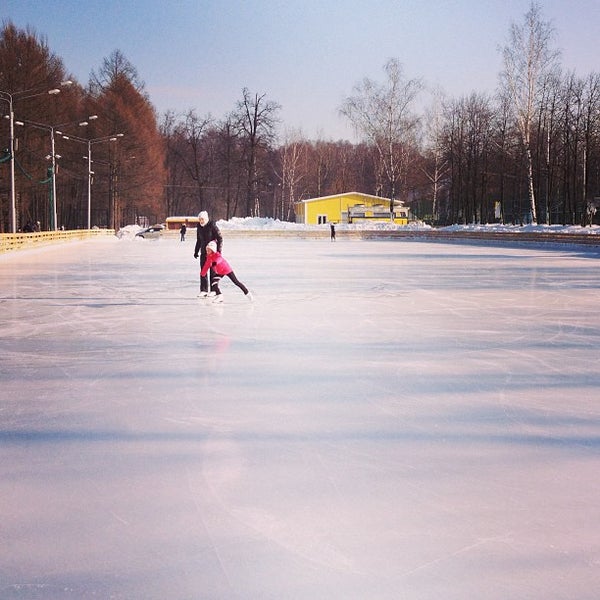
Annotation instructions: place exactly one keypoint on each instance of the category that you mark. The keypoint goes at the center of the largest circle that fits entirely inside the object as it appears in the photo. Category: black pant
(204, 278)
(215, 278)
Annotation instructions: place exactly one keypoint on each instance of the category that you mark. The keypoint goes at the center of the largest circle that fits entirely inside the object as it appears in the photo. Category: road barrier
(20, 241)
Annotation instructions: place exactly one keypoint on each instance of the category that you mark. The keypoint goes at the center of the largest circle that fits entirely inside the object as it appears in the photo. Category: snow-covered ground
(387, 420)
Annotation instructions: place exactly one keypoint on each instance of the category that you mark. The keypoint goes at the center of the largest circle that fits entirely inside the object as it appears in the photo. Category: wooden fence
(19, 241)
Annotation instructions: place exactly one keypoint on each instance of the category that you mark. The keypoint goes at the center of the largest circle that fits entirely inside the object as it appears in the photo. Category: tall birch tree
(528, 57)
(382, 116)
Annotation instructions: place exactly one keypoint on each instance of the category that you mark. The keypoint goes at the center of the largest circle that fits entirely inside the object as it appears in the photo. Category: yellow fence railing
(19, 241)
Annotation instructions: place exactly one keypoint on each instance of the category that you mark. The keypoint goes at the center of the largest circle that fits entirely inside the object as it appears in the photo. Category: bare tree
(229, 171)
(382, 115)
(547, 133)
(256, 118)
(196, 156)
(321, 167)
(591, 154)
(467, 138)
(114, 67)
(436, 164)
(528, 57)
(173, 186)
(291, 155)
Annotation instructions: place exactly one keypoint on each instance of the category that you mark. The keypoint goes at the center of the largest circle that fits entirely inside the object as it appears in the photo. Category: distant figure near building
(332, 227)
(182, 231)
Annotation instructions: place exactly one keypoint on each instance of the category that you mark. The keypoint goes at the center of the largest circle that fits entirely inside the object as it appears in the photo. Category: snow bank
(129, 231)
(264, 223)
(593, 230)
(269, 224)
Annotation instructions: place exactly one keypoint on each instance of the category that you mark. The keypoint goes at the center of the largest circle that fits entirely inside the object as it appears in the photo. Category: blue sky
(307, 55)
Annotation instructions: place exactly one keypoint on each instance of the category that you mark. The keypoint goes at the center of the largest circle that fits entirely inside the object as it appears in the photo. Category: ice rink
(387, 420)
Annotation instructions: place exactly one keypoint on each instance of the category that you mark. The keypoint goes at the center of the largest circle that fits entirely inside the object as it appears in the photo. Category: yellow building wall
(335, 208)
(330, 208)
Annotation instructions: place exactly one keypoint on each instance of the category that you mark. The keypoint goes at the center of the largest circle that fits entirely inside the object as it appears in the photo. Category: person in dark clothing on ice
(206, 232)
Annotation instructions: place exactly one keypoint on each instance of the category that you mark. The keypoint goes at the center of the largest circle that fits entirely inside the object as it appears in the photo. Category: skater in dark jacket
(219, 268)
(207, 232)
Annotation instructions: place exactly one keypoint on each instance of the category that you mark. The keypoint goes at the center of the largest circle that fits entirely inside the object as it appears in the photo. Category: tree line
(528, 153)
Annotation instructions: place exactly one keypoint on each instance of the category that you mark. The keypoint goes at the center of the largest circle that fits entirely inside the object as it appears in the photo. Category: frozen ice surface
(387, 420)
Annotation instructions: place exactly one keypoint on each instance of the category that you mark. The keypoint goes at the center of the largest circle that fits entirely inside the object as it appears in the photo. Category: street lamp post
(10, 98)
(53, 167)
(50, 128)
(90, 142)
(11, 115)
(53, 156)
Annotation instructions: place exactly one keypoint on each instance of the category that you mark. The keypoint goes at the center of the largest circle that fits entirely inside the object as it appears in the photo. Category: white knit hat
(212, 245)
(203, 215)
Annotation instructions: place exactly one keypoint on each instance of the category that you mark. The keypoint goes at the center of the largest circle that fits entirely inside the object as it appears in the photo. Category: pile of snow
(264, 223)
(260, 223)
(592, 230)
(269, 224)
(129, 231)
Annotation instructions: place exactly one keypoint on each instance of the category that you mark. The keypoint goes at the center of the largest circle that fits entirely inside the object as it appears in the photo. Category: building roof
(361, 194)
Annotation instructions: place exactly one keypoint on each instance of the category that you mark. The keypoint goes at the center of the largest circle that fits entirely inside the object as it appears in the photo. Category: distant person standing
(182, 231)
(332, 227)
(206, 232)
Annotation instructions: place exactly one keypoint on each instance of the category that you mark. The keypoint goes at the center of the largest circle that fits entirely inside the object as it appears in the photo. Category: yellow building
(352, 207)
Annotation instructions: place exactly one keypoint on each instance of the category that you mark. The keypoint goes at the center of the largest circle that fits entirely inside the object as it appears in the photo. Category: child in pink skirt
(220, 268)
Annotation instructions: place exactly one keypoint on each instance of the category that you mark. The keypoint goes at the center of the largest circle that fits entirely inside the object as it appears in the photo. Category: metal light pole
(90, 142)
(53, 129)
(89, 173)
(53, 163)
(11, 115)
(10, 98)
(50, 128)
